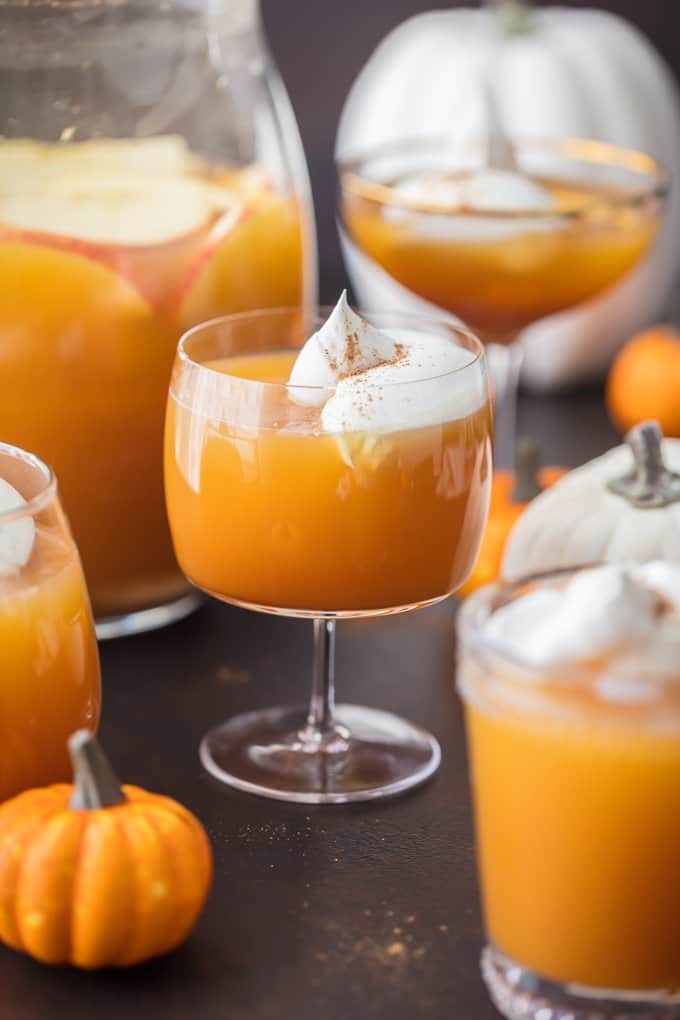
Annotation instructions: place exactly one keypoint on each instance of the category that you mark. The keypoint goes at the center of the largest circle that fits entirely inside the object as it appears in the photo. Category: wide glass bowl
(501, 268)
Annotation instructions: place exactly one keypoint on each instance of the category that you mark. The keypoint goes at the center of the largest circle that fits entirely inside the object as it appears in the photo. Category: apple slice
(23, 161)
(132, 205)
(112, 209)
(16, 537)
(143, 229)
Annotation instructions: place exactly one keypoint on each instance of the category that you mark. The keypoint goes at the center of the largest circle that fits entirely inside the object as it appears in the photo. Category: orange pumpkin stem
(651, 484)
(527, 460)
(95, 783)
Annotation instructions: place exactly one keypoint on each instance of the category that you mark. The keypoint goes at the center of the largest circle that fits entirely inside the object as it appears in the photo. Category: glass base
(148, 619)
(520, 995)
(369, 754)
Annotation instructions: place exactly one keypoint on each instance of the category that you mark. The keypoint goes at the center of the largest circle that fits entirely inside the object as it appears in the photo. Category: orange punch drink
(49, 667)
(572, 694)
(109, 250)
(272, 508)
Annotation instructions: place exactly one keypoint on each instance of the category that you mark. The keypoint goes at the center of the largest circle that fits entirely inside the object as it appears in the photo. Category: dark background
(321, 45)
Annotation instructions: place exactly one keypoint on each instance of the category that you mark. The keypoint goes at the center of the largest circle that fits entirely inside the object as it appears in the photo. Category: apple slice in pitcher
(128, 204)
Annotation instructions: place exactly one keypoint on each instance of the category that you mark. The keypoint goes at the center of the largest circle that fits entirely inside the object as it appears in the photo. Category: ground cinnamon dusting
(353, 357)
(663, 607)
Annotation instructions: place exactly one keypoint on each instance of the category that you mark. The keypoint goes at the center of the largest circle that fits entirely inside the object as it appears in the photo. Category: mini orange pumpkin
(99, 875)
(644, 381)
(510, 494)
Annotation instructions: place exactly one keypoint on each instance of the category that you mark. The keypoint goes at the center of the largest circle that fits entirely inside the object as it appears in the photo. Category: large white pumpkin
(622, 506)
(556, 73)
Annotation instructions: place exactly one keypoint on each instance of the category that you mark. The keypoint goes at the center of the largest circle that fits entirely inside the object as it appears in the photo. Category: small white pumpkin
(622, 506)
(556, 72)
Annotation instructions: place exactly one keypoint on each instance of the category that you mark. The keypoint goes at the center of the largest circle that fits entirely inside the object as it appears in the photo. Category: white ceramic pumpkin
(556, 73)
(624, 505)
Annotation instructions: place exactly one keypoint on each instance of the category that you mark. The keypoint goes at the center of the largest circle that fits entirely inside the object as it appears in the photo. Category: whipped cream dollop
(345, 345)
(625, 619)
(372, 379)
(16, 536)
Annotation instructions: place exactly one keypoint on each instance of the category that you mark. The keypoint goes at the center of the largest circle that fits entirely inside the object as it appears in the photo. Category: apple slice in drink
(23, 161)
(145, 231)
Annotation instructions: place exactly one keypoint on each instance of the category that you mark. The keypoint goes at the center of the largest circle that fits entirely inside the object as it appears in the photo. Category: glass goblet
(498, 267)
(269, 512)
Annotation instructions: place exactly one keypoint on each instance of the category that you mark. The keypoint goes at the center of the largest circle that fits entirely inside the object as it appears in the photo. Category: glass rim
(42, 498)
(321, 311)
(576, 149)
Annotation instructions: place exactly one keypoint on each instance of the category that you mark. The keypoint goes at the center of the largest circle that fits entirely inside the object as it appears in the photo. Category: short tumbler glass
(577, 807)
(49, 664)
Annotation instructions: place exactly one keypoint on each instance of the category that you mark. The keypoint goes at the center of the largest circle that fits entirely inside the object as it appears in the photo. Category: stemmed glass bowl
(499, 267)
(270, 512)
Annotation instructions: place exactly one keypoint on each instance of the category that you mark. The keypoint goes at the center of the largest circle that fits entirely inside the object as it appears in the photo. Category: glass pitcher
(151, 177)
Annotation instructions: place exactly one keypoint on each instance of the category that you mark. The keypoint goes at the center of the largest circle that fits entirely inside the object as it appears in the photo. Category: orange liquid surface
(305, 521)
(49, 678)
(499, 286)
(88, 333)
(578, 828)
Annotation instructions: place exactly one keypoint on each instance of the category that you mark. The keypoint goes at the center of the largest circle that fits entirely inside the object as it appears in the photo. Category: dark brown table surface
(364, 912)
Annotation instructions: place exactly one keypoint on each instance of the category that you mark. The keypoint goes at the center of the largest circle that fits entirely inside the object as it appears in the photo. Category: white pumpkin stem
(651, 484)
(95, 783)
(515, 16)
(527, 462)
(500, 152)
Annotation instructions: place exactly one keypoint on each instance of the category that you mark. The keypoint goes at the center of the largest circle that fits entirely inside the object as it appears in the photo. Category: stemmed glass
(500, 268)
(269, 512)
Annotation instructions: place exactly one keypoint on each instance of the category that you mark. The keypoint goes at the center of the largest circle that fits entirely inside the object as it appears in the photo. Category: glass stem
(506, 366)
(322, 732)
(321, 716)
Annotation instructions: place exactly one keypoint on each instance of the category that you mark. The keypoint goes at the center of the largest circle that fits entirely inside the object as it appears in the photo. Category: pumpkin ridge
(144, 815)
(198, 850)
(77, 861)
(173, 807)
(11, 821)
(42, 836)
(171, 853)
(131, 955)
(128, 933)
